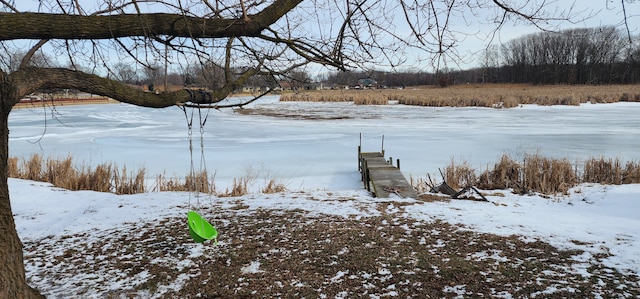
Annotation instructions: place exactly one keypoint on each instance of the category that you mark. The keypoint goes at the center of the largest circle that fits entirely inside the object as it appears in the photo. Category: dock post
(359, 158)
(398, 163)
(366, 181)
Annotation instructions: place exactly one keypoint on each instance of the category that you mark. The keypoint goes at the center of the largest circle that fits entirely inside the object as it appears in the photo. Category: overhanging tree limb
(31, 79)
(74, 27)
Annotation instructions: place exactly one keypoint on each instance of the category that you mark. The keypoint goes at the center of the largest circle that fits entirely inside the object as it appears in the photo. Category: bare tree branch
(63, 26)
(36, 47)
(9, 6)
(32, 79)
(626, 20)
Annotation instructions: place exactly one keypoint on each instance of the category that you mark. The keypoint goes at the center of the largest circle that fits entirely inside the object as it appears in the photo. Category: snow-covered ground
(602, 221)
(319, 156)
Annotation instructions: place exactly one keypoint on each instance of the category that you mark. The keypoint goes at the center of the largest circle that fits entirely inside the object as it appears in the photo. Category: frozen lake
(321, 151)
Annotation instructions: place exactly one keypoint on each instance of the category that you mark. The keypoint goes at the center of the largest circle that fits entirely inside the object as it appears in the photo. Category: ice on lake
(320, 151)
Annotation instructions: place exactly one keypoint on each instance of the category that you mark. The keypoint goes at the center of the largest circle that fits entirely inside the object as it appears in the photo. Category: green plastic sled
(200, 229)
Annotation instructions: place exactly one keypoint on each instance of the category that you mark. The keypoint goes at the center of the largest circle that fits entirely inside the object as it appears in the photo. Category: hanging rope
(202, 167)
(203, 163)
(189, 121)
(199, 229)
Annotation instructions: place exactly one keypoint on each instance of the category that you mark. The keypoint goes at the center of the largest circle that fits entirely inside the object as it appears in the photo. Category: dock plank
(384, 177)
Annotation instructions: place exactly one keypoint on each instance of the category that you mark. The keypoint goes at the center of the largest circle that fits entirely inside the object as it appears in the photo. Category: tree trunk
(13, 282)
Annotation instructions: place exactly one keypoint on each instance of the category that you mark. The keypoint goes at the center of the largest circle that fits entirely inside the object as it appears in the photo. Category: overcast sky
(586, 14)
(470, 45)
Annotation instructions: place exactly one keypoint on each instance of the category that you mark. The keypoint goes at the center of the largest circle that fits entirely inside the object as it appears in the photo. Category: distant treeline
(602, 55)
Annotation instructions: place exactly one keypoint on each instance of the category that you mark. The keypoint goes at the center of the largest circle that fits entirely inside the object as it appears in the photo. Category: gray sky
(585, 14)
(475, 29)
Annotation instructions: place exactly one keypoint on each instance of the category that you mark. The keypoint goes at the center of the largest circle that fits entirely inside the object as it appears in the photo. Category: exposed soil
(295, 254)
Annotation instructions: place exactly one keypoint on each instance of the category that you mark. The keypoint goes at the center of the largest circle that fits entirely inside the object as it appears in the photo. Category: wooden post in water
(359, 158)
(398, 163)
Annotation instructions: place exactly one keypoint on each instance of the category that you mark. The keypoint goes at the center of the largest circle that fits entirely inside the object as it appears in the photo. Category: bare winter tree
(125, 73)
(242, 38)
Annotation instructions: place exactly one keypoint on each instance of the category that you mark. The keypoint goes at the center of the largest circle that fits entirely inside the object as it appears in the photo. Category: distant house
(367, 83)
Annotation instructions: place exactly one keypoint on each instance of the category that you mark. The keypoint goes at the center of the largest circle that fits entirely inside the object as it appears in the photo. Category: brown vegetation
(535, 173)
(541, 174)
(358, 97)
(107, 178)
(476, 95)
(62, 173)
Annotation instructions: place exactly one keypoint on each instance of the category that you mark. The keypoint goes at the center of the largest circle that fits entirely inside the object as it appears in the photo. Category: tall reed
(107, 177)
(459, 175)
(478, 95)
(542, 174)
(62, 173)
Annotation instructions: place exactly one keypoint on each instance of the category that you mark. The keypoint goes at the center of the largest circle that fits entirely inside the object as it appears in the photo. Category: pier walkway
(381, 177)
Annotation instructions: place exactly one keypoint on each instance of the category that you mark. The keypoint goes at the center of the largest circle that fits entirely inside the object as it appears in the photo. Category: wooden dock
(381, 177)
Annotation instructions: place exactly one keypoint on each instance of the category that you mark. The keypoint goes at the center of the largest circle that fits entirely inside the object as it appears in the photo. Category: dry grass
(610, 171)
(62, 173)
(108, 178)
(548, 175)
(274, 186)
(128, 182)
(373, 97)
(506, 174)
(538, 174)
(239, 188)
(488, 95)
(459, 176)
